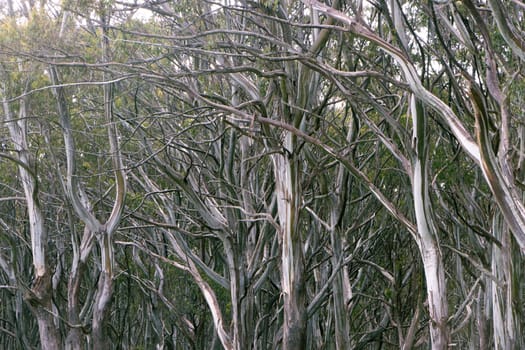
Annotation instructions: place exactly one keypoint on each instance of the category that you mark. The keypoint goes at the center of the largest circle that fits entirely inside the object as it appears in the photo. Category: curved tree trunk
(427, 233)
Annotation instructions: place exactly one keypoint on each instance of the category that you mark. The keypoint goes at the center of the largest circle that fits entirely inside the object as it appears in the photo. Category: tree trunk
(427, 234)
(40, 296)
(292, 261)
(503, 320)
(75, 338)
(104, 294)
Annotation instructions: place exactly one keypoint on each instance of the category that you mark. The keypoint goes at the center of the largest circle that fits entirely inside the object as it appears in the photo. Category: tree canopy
(284, 174)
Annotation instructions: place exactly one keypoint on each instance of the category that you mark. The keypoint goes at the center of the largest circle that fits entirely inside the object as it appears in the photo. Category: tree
(289, 174)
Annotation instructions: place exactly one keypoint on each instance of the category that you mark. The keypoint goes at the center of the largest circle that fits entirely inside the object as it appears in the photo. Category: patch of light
(142, 14)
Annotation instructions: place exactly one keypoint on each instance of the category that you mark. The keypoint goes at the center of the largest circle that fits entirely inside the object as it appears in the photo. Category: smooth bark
(427, 234)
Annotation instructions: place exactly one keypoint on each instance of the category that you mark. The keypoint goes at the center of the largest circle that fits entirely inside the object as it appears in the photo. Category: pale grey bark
(187, 260)
(40, 296)
(505, 326)
(427, 238)
(275, 254)
(102, 232)
(292, 260)
(507, 199)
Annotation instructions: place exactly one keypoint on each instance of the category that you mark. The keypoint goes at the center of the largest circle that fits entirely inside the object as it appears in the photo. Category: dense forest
(266, 174)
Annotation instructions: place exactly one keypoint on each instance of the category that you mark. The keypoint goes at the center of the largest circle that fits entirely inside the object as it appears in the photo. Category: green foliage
(192, 84)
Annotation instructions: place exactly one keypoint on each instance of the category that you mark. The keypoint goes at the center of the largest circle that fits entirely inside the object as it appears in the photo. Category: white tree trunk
(40, 296)
(292, 261)
(427, 234)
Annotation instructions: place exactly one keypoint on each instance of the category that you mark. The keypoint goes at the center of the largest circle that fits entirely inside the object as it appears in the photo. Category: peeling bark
(292, 261)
